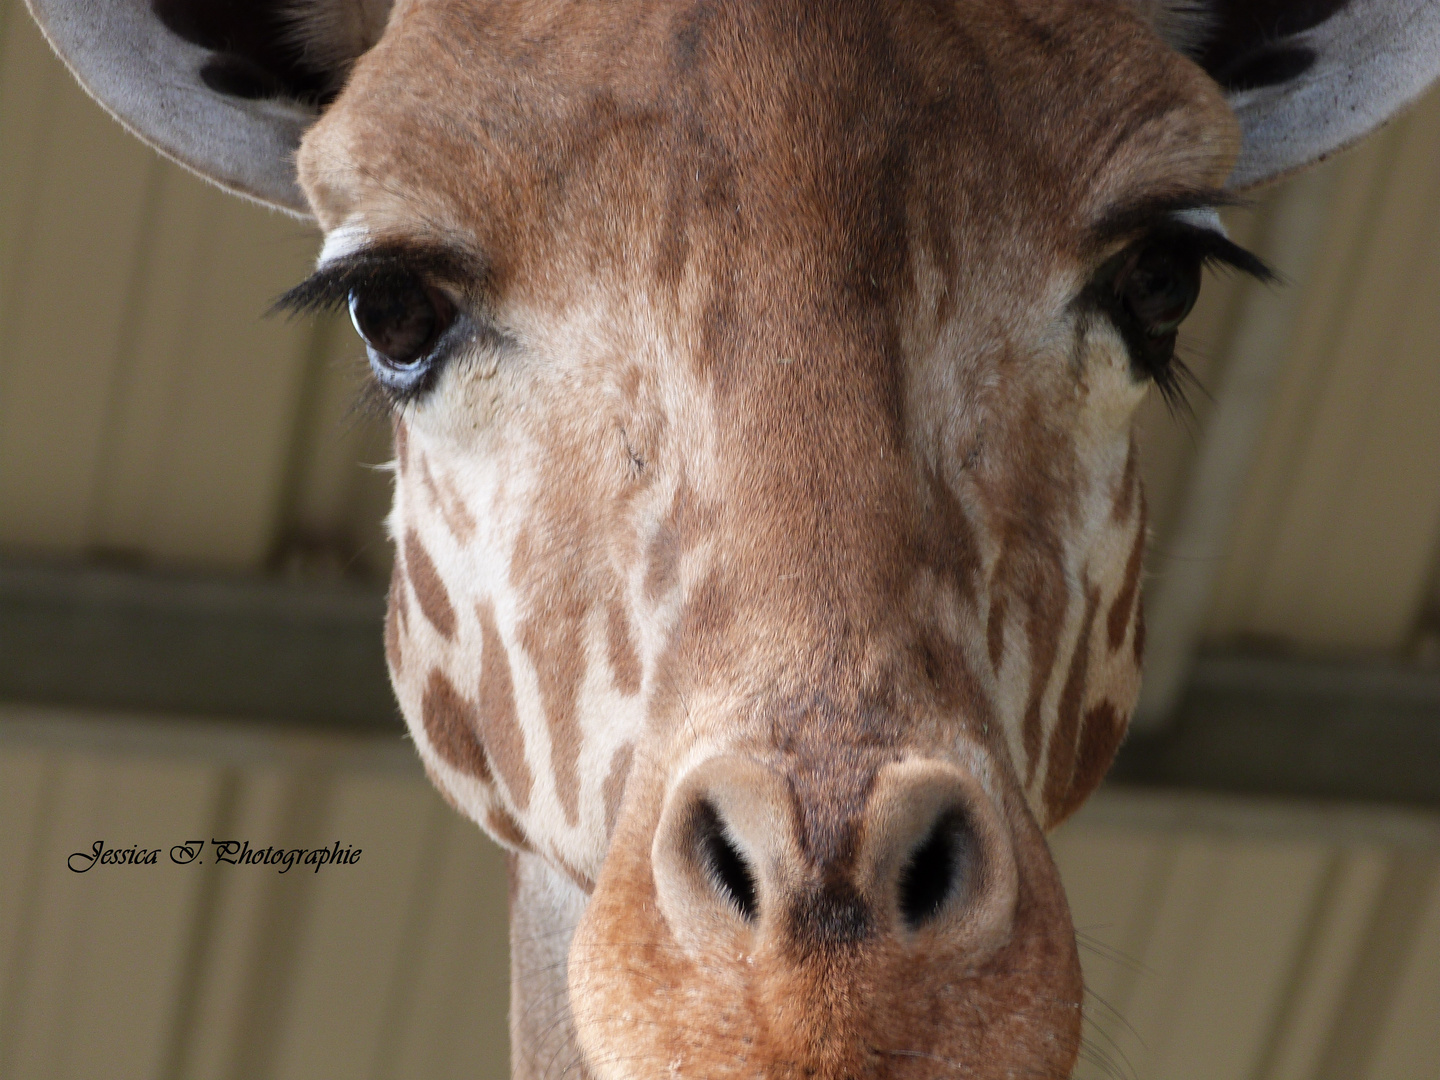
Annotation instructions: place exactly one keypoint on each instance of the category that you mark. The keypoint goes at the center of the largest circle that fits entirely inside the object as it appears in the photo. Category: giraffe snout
(848, 915)
(918, 854)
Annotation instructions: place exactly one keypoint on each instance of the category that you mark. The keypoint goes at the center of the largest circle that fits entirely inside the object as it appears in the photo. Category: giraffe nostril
(934, 870)
(725, 866)
(718, 855)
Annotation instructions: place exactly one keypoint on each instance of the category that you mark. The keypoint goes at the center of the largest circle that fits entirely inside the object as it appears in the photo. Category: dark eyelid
(378, 265)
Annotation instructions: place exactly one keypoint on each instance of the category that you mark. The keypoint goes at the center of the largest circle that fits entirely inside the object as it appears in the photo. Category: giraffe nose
(925, 854)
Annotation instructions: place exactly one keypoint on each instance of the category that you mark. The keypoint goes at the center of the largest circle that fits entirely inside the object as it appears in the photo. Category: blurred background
(192, 567)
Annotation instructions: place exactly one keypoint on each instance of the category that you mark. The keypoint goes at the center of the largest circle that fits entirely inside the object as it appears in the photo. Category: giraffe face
(767, 517)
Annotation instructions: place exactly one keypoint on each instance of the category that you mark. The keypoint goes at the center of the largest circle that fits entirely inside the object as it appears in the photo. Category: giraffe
(768, 528)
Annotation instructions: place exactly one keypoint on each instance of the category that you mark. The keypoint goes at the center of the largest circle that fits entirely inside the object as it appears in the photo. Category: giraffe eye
(401, 321)
(1147, 290)
(1157, 286)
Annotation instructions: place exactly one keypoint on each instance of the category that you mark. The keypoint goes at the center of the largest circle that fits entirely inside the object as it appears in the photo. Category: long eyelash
(1218, 252)
(380, 266)
(1175, 382)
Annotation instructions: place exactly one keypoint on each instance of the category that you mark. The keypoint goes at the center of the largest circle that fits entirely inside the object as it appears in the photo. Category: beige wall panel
(370, 507)
(27, 780)
(332, 429)
(352, 949)
(241, 943)
(1183, 911)
(1379, 555)
(1111, 878)
(149, 393)
(135, 936)
(109, 945)
(452, 1018)
(1241, 973)
(1346, 484)
(1347, 903)
(230, 431)
(1409, 1044)
(1302, 382)
(31, 85)
(1226, 935)
(341, 482)
(1339, 522)
(32, 1027)
(146, 405)
(65, 317)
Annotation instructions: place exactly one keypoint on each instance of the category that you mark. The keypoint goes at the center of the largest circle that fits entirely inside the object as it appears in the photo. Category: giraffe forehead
(658, 141)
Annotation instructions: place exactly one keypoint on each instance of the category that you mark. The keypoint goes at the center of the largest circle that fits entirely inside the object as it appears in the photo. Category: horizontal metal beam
(312, 658)
(244, 648)
(1263, 726)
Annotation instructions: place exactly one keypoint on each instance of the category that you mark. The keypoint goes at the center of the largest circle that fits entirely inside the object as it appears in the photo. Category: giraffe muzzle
(849, 926)
(926, 856)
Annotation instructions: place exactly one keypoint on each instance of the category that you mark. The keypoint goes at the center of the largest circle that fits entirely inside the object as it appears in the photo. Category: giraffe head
(768, 530)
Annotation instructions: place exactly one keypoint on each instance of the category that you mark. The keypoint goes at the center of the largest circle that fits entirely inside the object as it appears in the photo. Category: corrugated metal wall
(1337, 532)
(1233, 940)
(147, 407)
(395, 966)
(1222, 940)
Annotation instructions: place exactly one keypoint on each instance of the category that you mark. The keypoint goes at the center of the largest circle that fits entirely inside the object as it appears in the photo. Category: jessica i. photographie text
(231, 852)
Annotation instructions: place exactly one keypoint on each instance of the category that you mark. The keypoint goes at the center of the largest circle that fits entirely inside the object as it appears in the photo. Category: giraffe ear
(224, 87)
(1305, 77)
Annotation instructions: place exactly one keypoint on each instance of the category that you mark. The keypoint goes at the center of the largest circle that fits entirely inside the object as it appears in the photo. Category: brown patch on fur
(1037, 578)
(1045, 608)
(662, 565)
(1100, 738)
(624, 660)
(504, 738)
(503, 826)
(687, 518)
(949, 545)
(584, 882)
(452, 726)
(615, 784)
(563, 567)
(557, 651)
(1033, 505)
(429, 589)
(1067, 722)
(452, 508)
(394, 615)
(1123, 607)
